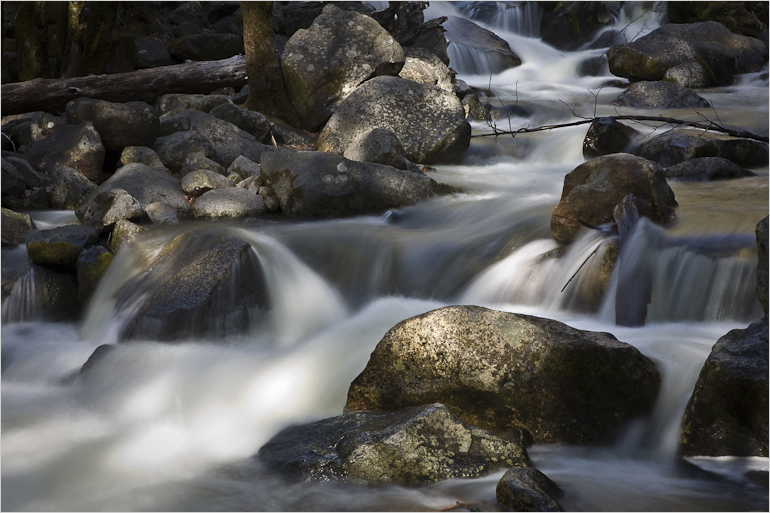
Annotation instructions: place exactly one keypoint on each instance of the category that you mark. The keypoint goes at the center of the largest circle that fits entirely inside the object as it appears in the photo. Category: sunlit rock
(15, 227)
(499, 370)
(410, 446)
(593, 189)
(659, 95)
(705, 169)
(689, 74)
(676, 146)
(727, 414)
(228, 202)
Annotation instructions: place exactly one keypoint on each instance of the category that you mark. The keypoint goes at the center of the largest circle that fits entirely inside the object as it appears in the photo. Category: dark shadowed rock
(494, 50)
(410, 446)
(318, 184)
(145, 184)
(249, 121)
(160, 213)
(676, 146)
(206, 47)
(325, 63)
(69, 188)
(244, 168)
(99, 354)
(570, 25)
(78, 147)
(593, 189)
(659, 95)
(58, 248)
(727, 414)
(762, 271)
(499, 370)
(118, 124)
(196, 162)
(151, 52)
(15, 227)
(605, 136)
(227, 203)
(174, 102)
(173, 149)
(199, 284)
(527, 489)
(707, 168)
(428, 121)
(90, 266)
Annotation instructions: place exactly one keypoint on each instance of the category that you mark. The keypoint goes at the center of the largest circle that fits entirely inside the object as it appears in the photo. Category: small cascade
(521, 18)
(23, 304)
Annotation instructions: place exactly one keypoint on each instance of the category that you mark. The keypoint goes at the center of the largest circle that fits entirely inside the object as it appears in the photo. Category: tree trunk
(52, 95)
(32, 40)
(97, 37)
(73, 47)
(267, 92)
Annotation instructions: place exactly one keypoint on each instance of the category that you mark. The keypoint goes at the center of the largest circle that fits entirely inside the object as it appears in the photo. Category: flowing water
(159, 426)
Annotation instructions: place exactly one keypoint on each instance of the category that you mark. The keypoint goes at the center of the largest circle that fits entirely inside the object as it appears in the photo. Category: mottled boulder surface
(676, 146)
(411, 446)
(659, 95)
(499, 370)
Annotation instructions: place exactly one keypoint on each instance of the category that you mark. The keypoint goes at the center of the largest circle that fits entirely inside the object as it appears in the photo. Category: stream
(173, 427)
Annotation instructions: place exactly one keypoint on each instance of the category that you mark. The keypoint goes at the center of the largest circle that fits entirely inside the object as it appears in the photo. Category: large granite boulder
(118, 124)
(424, 67)
(659, 95)
(499, 370)
(145, 184)
(199, 284)
(593, 189)
(325, 63)
(429, 122)
(707, 169)
(413, 445)
(727, 414)
(491, 52)
(78, 147)
(319, 184)
(226, 142)
(721, 52)
(676, 146)
(527, 489)
(58, 248)
(762, 272)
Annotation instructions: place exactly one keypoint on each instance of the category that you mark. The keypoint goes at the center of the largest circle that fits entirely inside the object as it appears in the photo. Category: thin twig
(581, 266)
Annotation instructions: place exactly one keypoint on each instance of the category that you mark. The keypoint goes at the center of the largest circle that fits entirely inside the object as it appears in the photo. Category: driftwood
(52, 95)
(707, 125)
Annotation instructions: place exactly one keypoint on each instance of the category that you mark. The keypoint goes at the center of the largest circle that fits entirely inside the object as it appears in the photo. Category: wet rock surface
(528, 489)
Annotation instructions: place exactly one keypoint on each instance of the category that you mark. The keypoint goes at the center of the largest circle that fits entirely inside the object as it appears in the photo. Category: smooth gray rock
(429, 122)
(499, 370)
(676, 146)
(161, 213)
(727, 414)
(69, 188)
(659, 95)
(227, 203)
(707, 168)
(118, 124)
(249, 121)
(318, 184)
(173, 149)
(244, 168)
(195, 162)
(421, 444)
(140, 155)
(424, 67)
(325, 63)
(527, 489)
(378, 145)
(15, 227)
(689, 74)
(495, 53)
(199, 182)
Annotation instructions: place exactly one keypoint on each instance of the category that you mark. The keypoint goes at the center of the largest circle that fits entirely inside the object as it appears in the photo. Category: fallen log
(52, 95)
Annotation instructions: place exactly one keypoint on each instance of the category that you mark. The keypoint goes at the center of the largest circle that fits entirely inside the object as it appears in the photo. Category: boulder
(109, 206)
(244, 168)
(607, 135)
(378, 145)
(727, 414)
(570, 25)
(762, 272)
(593, 189)
(424, 67)
(420, 444)
(289, 17)
(78, 147)
(32, 179)
(721, 53)
(227, 141)
(140, 155)
(174, 102)
(318, 184)
(12, 182)
(227, 203)
(744, 18)
(659, 95)
(249, 121)
(706, 168)
(123, 233)
(527, 489)
(200, 284)
(23, 188)
(91, 265)
(15, 227)
(145, 184)
(55, 295)
(196, 162)
(118, 124)
(160, 213)
(499, 370)
(173, 149)
(325, 63)
(270, 198)
(69, 188)
(429, 122)
(151, 52)
(689, 74)
(676, 146)
(199, 182)
(208, 46)
(491, 52)
(58, 248)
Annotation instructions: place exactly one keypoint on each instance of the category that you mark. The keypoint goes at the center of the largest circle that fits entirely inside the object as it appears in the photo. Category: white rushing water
(158, 426)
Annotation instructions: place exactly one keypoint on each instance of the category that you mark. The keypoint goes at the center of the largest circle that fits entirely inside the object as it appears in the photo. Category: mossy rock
(59, 248)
